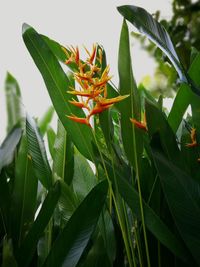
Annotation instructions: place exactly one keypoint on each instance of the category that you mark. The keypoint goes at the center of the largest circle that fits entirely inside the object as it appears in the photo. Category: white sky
(69, 22)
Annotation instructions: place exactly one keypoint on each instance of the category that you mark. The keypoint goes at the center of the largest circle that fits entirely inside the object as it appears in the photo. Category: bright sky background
(69, 22)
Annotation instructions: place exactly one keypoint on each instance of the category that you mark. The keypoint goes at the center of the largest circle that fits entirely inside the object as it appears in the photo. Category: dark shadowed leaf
(182, 194)
(29, 245)
(76, 234)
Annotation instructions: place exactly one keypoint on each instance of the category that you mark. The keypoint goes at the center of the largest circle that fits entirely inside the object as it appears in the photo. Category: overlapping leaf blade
(37, 152)
(183, 199)
(29, 245)
(75, 236)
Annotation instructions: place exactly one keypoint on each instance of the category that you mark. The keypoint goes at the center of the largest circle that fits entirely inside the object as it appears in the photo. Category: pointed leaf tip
(25, 27)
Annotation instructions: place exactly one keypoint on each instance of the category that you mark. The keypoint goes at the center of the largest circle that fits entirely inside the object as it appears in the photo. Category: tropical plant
(122, 185)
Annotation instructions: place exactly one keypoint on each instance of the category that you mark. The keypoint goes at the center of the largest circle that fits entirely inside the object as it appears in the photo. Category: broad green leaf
(146, 24)
(13, 102)
(7, 148)
(63, 163)
(152, 221)
(76, 234)
(37, 152)
(23, 200)
(182, 194)
(44, 122)
(29, 245)
(84, 179)
(57, 85)
(129, 107)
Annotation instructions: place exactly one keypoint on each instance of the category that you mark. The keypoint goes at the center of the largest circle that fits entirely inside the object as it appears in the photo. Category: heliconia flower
(139, 125)
(79, 120)
(99, 108)
(193, 137)
(78, 104)
(93, 84)
(109, 101)
(91, 55)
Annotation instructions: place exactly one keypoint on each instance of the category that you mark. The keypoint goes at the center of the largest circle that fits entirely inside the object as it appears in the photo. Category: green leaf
(129, 107)
(7, 148)
(13, 102)
(23, 201)
(63, 164)
(76, 234)
(146, 24)
(29, 245)
(43, 123)
(182, 195)
(57, 84)
(37, 152)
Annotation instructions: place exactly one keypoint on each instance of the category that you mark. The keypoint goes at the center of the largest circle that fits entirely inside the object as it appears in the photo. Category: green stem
(129, 234)
(122, 226)
(140, 200)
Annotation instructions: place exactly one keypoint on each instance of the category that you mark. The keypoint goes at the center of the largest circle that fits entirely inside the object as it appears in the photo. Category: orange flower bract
(92, 79)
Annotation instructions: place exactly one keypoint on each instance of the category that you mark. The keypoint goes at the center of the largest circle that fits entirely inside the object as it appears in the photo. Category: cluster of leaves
(183, 28)
(140, 207)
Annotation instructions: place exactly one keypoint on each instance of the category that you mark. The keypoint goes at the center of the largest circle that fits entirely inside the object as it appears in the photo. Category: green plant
(140, 207)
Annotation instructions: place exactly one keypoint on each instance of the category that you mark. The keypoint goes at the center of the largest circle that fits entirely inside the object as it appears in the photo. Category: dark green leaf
(29, 245)
(182, 194)
(153, 223)
(7, 148)
(147, 25)
(57, 84)
(76, 234)
(130, 107)
(38, 154)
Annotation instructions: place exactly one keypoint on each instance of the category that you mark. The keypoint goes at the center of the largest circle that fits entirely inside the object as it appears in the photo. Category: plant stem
(140, 200)
(121, 223)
